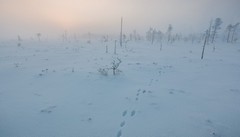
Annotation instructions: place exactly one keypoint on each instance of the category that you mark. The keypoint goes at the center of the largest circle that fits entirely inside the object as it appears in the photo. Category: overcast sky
(27, 17)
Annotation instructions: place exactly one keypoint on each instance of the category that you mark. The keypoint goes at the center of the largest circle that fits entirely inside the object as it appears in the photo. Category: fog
(52, 17)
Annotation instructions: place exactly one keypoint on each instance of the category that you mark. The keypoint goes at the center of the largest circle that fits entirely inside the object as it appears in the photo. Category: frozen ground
(54, 89)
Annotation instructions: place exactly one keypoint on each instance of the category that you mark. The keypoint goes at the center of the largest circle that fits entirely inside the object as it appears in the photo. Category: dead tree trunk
(160, 45)
(228, 36)
(106, 48)
(209, 33)
(115, 47)
(121, 32)
(233, 34)
(205, 41)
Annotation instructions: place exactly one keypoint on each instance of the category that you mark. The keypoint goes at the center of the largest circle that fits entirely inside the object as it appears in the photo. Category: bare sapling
(115, 65)
(103, 71)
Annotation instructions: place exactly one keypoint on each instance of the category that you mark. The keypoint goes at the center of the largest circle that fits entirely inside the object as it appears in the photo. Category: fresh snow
(54, 89)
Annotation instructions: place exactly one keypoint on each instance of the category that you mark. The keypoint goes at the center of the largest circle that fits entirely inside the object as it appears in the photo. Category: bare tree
(115, 65)
(153, 35)
(39, 36)
(106, 48)
(121, 37)
(19, 38)
(210, 29)
(234, 29)
(105, 40)
(159, 37)
(115, 47)
(229, 30)
(169, 32)
(216, 27)
(134, 35)
(205, 42)
(65, 36)
(89, 37)
(149, 34)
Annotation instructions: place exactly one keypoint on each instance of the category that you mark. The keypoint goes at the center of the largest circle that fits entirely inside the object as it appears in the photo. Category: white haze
(52, 17)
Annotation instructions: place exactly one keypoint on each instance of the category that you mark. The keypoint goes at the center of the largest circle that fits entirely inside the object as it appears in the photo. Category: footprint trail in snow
(131, 113)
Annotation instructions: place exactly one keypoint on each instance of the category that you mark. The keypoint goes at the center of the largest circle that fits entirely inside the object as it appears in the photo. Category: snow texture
(54, 89)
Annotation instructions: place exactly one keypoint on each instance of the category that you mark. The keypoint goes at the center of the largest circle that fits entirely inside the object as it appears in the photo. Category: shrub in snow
(114, 67)
(103, 71)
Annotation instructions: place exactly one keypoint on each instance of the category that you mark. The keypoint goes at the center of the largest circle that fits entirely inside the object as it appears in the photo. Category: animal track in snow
(36, 94)
(48, 109)
(133, 113)
(173, 91)
(139, 92)
(235, 90)
(119, 134)
(124, 113)
(122, 123)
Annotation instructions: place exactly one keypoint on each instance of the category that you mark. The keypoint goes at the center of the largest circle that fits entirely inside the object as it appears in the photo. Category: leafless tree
(39, 36)
(229, 30)
(149, 34)
(209, 31)
(19, 38)
(234, 29)
(169, 32)
(115, 65)
(216, 27)
(205, 42)
(153, 35)
(121, 33)
(115, 47)
(159, 37)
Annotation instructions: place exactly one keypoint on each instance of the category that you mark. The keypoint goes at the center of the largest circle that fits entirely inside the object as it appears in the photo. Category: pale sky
(27, 17)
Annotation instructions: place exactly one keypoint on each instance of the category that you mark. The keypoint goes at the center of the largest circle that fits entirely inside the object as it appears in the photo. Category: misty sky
(27, 17)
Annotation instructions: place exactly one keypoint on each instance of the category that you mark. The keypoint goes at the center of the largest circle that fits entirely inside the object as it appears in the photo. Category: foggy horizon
(119, 68)
(26, 18)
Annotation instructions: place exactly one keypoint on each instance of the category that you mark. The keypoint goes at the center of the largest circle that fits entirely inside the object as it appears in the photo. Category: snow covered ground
(54, 89)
